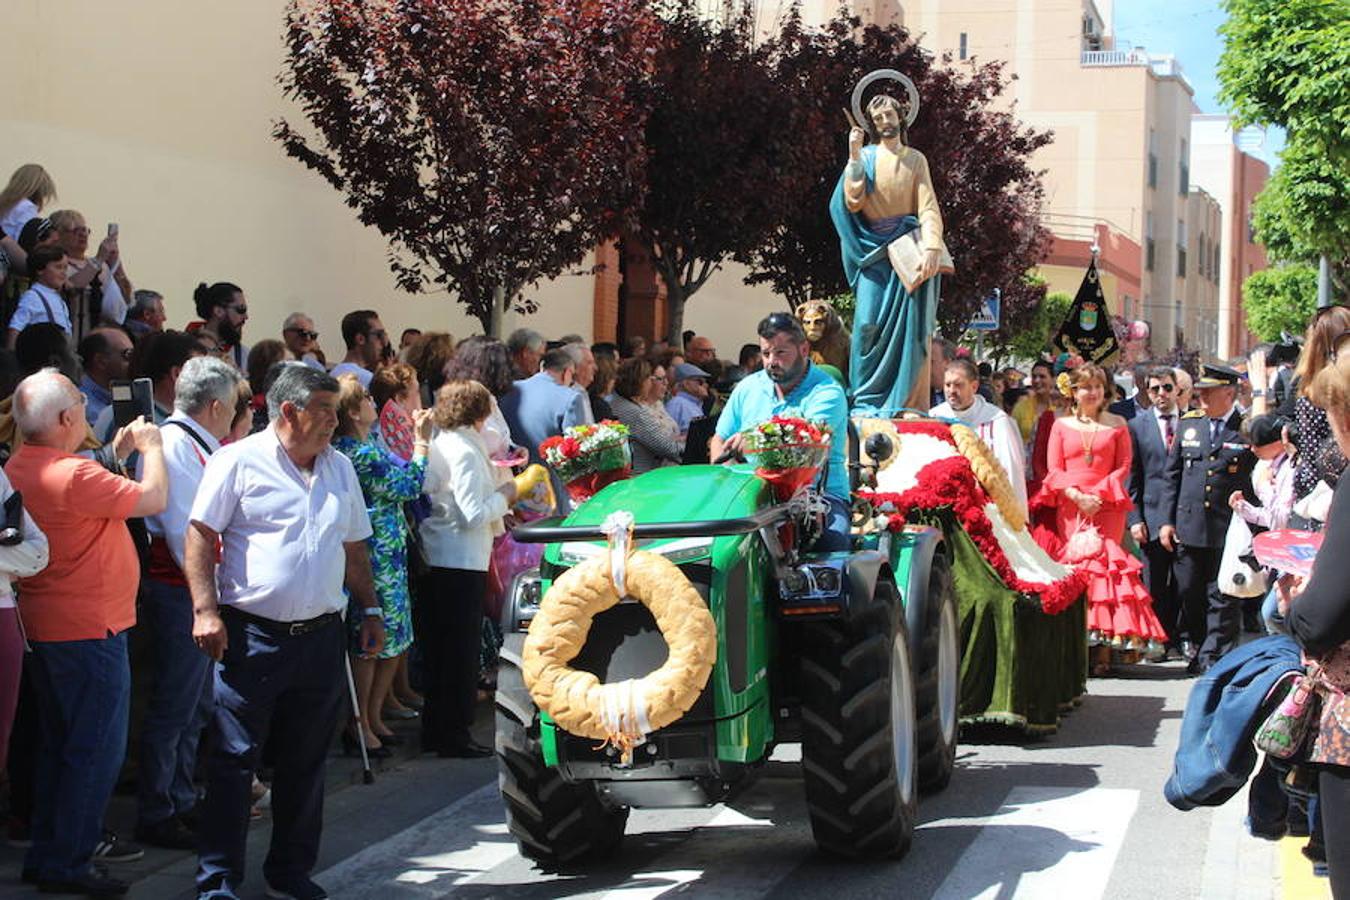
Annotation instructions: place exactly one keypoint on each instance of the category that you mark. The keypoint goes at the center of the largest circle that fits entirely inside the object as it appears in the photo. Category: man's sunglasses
(307, 335)
(1161, 388)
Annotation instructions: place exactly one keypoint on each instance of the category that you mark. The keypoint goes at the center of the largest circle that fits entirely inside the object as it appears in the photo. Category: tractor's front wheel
(939, 679)
(859, 755)
(555, 822)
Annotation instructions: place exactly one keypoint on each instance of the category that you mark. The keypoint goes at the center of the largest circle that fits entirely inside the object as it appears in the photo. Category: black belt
(290, 629)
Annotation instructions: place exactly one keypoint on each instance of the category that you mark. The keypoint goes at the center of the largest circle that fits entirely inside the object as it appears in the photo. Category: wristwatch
(372, 611)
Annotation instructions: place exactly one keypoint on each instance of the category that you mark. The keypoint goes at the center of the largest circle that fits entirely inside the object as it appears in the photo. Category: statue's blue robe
(891, 327)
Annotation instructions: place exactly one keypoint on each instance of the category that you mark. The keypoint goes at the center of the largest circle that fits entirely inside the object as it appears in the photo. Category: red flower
(950, 484)
(570, 447)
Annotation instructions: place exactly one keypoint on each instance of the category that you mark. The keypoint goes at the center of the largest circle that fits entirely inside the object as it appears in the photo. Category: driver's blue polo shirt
(818, 398)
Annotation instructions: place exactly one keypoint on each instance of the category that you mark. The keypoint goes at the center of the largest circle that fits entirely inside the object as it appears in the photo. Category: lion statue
(826, 331)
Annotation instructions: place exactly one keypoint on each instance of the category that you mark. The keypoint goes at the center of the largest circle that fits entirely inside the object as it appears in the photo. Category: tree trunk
(494, 325)
(675, 300)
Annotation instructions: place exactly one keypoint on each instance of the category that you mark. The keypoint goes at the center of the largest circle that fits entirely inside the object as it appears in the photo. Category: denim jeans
(84, 695)
(1270, 613)
(180, 705)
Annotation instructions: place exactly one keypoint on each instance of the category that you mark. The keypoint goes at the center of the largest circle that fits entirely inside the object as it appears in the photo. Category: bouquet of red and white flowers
(588, 457)
(787, 452)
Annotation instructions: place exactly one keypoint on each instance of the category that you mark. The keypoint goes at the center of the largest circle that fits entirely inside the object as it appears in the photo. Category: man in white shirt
(960, 383)
(205, 399)
(286, 510)
(366, 340)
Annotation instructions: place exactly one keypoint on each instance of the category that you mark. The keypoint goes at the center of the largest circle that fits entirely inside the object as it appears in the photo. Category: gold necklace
(1087, 437)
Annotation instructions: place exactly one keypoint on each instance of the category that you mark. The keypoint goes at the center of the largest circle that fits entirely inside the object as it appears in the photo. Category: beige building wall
(157, 115)
(1234, 177)
(1198, 281)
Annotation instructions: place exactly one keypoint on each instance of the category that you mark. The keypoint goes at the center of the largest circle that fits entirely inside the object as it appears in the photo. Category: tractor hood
(678, 494)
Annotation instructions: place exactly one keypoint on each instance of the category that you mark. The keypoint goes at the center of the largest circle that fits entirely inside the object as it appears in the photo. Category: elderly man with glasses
(302, 340)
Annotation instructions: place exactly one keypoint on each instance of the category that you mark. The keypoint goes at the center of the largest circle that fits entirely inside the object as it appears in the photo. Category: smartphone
(112, 229)
(131, 399)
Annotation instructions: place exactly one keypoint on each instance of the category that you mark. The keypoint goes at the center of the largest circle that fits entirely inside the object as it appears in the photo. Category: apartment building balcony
(1161, 66)
(1108, 58)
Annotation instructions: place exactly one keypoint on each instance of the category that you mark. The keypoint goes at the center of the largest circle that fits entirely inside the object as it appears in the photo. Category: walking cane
(367, 776)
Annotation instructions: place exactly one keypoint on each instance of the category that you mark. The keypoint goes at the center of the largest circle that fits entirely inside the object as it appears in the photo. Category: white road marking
(428, 859)
(703, 859)
(1043, 842)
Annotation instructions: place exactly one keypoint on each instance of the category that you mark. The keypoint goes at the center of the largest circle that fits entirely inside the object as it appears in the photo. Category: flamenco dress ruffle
(1120, 609)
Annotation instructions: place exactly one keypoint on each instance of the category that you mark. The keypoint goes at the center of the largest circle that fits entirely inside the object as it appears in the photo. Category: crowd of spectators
(272, 510)
(289, 518)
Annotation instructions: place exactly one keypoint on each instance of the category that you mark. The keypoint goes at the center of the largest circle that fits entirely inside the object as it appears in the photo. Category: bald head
(47, 407)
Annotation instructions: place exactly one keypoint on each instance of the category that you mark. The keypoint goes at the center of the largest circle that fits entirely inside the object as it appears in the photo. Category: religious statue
(890, 233)
(828, 334)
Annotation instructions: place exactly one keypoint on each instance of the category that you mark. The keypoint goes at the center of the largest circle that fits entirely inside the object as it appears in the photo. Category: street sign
(986, 318)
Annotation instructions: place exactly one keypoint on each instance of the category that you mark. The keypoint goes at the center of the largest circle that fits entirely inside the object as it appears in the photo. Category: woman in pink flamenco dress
(1089, 462)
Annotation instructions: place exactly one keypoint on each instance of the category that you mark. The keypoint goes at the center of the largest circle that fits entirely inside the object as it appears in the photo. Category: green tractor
(854, 655)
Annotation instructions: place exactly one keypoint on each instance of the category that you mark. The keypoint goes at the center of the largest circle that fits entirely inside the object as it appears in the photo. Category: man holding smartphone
(77, 612)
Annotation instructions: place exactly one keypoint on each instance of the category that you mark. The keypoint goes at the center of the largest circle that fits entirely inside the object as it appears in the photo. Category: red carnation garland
(950, 484)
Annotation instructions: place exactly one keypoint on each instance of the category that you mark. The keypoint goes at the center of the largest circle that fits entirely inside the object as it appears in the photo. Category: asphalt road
(1078, 814)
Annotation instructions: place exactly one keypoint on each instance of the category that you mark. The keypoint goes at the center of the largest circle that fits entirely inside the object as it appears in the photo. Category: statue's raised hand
(856, 138)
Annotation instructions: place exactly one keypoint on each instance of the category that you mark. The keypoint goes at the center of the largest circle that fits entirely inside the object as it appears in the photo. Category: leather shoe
(296, 889)
(467, 750)
(91, 884)
(1194, 667)
(350, 748)
(170, 834)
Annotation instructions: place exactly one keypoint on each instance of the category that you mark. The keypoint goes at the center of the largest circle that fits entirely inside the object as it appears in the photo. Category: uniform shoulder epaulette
(1193, 414)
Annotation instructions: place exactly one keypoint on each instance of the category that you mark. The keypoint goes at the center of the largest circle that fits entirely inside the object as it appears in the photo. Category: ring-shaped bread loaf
(577, 701)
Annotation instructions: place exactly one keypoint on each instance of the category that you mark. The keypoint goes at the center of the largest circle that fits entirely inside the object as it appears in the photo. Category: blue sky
(1188, 30)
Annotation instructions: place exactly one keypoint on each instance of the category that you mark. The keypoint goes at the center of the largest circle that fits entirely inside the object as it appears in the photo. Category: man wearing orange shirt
(76, 613)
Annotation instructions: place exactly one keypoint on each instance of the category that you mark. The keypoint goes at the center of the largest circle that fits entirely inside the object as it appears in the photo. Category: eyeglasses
(1161, 388)
(240, 310)
(307, 335)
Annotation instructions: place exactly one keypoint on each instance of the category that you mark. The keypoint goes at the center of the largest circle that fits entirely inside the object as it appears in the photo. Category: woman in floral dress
(387, 484)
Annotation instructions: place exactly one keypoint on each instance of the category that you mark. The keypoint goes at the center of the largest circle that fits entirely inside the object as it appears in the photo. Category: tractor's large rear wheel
(555, 822)
(937, 691)
(859, 757)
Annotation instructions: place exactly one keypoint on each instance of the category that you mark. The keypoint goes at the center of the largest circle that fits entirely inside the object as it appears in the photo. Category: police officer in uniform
(1209, 460)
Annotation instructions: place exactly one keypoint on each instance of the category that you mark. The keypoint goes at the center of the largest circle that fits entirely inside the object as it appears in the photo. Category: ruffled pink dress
(1120, 610)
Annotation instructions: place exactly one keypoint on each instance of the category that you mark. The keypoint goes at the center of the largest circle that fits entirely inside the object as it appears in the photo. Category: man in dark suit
(1209, 460)
(1152, 433)
(1136, 401)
